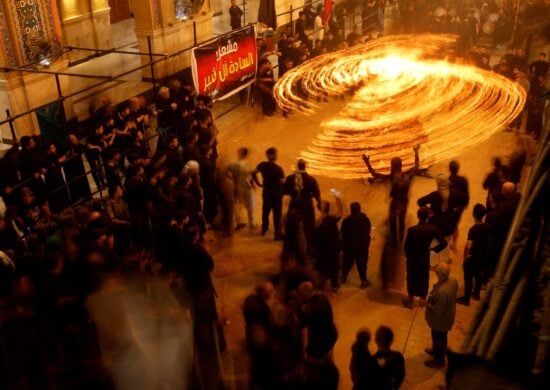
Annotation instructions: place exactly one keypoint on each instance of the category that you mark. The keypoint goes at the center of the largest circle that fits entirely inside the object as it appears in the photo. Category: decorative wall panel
(5, 39)
(34, 21)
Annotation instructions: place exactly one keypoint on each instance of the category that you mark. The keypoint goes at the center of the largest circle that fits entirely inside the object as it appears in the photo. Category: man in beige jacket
(440, 314)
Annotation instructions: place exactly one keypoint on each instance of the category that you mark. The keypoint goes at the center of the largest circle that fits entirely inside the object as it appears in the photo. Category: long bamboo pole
(509, 316)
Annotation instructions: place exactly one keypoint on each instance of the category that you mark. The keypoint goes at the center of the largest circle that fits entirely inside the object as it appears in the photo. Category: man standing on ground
(272, 194)
(239, 172)
(475, 253)
(460, 184)
(440, 314)
(302, 189)
(235, 12)
(417, 252)
(539, 67)
(356, 229)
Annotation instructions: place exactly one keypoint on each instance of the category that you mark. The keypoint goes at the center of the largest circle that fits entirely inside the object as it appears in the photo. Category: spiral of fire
(403, 92)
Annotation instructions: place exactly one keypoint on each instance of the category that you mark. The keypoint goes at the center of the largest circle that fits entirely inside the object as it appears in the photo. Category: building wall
(86, 23)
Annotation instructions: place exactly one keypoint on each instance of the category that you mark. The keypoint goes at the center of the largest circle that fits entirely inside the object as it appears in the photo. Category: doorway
(120, 10)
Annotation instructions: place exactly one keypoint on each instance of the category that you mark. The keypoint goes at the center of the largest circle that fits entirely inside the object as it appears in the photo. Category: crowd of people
(157, 209)
(61, 248)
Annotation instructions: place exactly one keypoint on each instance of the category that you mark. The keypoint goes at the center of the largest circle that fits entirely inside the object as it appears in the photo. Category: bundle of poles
(517, 302)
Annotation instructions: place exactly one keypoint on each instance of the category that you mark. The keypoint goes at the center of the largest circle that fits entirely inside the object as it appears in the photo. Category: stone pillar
(157, 19)
(86, 23)
(25, 26)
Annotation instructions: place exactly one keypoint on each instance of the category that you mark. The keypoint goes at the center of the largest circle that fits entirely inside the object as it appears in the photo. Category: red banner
(327, 11)
(226, 65)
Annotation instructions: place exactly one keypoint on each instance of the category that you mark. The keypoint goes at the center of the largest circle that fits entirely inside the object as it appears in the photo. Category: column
(27, 26)
(158, 19)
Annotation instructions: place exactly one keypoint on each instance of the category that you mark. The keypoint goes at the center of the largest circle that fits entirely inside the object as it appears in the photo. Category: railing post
(194, 33)
(12, 128)
(244, 12)
(62, 101)
(291, 20)
(153, 80)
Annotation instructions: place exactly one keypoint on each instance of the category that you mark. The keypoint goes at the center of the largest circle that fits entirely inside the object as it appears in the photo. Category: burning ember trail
(403, 94)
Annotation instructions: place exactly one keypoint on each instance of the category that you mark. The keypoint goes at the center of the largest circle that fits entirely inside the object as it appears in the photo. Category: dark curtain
(51, 120)
(266, 13)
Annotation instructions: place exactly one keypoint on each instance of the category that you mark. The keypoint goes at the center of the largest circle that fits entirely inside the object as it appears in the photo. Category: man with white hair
(440, 313)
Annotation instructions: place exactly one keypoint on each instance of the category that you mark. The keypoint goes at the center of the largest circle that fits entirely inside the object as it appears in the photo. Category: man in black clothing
(196, 270)
(302, 189)
(300, 28)
(265, 82)
(460, 184)
(256, 312)
(356, 230)
(272, 191)
(446, 206)
(417, 252)
(457, 182)
(520, 61)
(391, 363)
(539, 67)
(325, 245)
(208, 179)
(235, 12)
(503, 207)
(32, 166)
(317, 320)
(475, 253)
(173, 160)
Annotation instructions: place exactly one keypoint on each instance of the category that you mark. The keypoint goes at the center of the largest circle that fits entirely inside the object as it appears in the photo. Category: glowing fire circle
(403, 94)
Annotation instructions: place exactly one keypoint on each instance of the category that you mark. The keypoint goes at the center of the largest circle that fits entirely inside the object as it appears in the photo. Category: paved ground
(246, 258)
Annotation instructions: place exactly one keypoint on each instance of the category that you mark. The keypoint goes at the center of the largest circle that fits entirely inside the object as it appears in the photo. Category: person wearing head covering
(440, 314)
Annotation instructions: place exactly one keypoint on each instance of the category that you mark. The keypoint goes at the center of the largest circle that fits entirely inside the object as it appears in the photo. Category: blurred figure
(294, 244)
(265, 82)
(538, 96)
(355, 230)
(539, 67)
(362, 365)
(326, 245)
(493, 180)
(391, 364)
(235, 14)
(317, 321)
(446, 207)
(256, 312)
(58, 196)
(240, 173)
(399, 194)
(503, 207)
